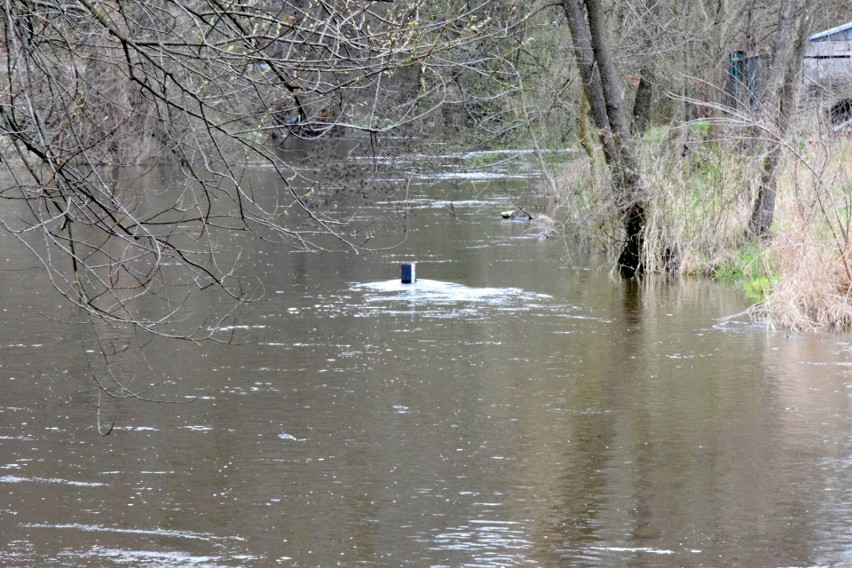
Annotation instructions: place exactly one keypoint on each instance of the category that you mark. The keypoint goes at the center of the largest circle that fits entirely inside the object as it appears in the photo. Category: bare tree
(208, 85)
(778, 106)
(89, 86)
(602, 88)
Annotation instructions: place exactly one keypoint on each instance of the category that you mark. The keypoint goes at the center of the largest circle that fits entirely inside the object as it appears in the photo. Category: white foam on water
(145, 532)
(153, 558)
(438, 292)
(476, 175)
(646, 549)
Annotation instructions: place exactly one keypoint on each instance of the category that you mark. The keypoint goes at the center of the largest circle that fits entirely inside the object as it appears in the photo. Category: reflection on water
(505, 410)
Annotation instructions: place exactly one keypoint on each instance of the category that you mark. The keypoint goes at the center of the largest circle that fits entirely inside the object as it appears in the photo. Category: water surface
(512, 408)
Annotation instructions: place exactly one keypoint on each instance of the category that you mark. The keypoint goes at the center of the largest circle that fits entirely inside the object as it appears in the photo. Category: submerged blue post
(408, 274)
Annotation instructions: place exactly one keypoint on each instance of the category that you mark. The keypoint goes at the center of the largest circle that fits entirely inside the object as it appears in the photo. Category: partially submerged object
(542, 220)
(516, 215)
(408, 272)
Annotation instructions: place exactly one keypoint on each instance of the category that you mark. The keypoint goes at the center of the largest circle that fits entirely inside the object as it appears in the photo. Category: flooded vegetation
(504, 410)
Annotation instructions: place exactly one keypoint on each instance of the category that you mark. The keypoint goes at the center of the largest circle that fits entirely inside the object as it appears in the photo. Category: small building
(827, 68)
(828, 59)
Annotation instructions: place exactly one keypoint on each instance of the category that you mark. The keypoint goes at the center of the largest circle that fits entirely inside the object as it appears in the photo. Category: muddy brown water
(512, 408)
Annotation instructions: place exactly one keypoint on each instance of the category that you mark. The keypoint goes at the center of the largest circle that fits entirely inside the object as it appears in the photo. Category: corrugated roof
(840, 28)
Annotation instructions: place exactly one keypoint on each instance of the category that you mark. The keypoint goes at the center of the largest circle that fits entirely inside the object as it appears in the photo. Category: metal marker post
(408, 272)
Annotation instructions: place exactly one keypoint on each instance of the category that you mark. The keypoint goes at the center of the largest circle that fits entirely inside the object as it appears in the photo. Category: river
(516, 406)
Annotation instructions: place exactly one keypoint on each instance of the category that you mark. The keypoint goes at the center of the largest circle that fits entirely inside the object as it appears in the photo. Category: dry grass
(584, 213)
(698, 202)
(813, 289)
(813, 244)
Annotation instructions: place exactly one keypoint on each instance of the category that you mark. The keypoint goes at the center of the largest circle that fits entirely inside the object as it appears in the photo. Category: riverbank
(699, 196)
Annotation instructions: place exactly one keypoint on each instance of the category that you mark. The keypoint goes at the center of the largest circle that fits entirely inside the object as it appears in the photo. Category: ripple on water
(141, 532)
(221, 551)
(153, 558)
(489, 542)
(51, 480)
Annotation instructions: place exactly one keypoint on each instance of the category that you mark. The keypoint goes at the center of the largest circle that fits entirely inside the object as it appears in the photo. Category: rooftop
(838, 31)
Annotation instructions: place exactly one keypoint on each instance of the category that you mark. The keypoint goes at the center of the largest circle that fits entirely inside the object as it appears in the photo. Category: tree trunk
(602, 86)
(645, 90)
(584, 57)
(642, 102)
(779, 101)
